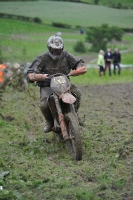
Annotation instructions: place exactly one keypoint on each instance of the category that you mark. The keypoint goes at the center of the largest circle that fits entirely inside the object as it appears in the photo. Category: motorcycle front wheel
(74, 143)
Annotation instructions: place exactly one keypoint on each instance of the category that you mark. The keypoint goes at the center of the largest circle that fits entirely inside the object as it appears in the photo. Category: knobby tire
(74, 144)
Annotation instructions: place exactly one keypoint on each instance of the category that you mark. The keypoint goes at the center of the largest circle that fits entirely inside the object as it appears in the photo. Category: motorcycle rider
(55, 60)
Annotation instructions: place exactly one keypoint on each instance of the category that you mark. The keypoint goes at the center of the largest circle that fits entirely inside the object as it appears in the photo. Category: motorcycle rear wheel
(74, 144)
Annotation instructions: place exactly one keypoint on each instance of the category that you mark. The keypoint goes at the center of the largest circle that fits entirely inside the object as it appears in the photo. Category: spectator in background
(82, 31)
(101, 62)
(116, 61)
(108, 59)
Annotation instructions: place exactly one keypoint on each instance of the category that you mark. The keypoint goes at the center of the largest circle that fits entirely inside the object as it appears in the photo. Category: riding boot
(48, 117)
(49, 123)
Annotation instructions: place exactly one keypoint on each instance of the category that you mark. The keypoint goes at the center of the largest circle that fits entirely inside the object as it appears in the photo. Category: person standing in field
(108, 59)
(101, 62)
(116, 61)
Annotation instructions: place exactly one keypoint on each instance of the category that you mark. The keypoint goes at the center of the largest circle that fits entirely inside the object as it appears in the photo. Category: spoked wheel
(74, 143)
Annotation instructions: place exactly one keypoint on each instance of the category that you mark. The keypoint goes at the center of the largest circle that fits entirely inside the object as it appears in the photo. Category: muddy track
(107, 138)
(116, 97)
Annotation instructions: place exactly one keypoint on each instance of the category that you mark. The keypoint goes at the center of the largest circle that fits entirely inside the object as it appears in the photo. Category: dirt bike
(66, 125)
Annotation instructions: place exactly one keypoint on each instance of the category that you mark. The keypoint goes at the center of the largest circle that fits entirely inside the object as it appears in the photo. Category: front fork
(61, 118)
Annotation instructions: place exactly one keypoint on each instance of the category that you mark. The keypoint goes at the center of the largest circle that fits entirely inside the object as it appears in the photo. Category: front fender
(67, 98)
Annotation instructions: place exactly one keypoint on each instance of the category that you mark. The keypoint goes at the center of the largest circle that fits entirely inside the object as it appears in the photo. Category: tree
(96, 2)
(100, 36)
(80, 47)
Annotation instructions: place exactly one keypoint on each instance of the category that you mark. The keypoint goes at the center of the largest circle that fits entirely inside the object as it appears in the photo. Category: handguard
(79, 71)
(37, 77)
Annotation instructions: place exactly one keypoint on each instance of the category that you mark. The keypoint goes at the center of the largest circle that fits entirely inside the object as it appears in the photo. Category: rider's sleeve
(77, 65)
(79, 71)
(37, 77)
(34, 69)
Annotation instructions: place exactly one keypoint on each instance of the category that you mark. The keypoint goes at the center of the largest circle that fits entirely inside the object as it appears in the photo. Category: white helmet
(55, 45)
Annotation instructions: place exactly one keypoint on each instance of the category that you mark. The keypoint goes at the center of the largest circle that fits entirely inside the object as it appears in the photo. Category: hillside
(74, 14)
(101, 2)
(111, 2)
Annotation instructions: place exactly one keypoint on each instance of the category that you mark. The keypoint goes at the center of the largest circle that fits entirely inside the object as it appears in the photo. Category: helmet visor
(56, 52)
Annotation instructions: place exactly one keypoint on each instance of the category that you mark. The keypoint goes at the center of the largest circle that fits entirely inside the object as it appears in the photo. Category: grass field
(124, 2)
(108, 2)
(23, 41)
(70, 13)
(91, 77)
(34, 166)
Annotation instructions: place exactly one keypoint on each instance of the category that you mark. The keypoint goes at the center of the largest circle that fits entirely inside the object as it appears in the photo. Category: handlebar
(58, 74)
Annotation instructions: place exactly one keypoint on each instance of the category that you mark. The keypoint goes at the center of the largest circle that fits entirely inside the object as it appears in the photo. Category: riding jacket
(45, 64)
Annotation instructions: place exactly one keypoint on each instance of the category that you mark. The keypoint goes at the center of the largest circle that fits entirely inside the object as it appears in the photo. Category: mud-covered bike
(62, 105)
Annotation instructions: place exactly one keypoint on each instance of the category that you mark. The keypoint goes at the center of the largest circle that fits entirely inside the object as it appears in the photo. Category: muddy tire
(74, 144)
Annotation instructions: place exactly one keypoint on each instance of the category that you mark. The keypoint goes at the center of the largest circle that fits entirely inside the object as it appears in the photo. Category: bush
(37, 20)
(80, 47)
(61, 25)
(99, 37)
(19, 17)
(78, 27)
(119, 5)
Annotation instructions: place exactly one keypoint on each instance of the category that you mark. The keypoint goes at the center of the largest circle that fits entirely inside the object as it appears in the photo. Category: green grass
(128, 37)
(70, 13)
(127, 58)
(33, 166)
(123, 2)
(92, 77)
(107, 2)
(23, 41)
